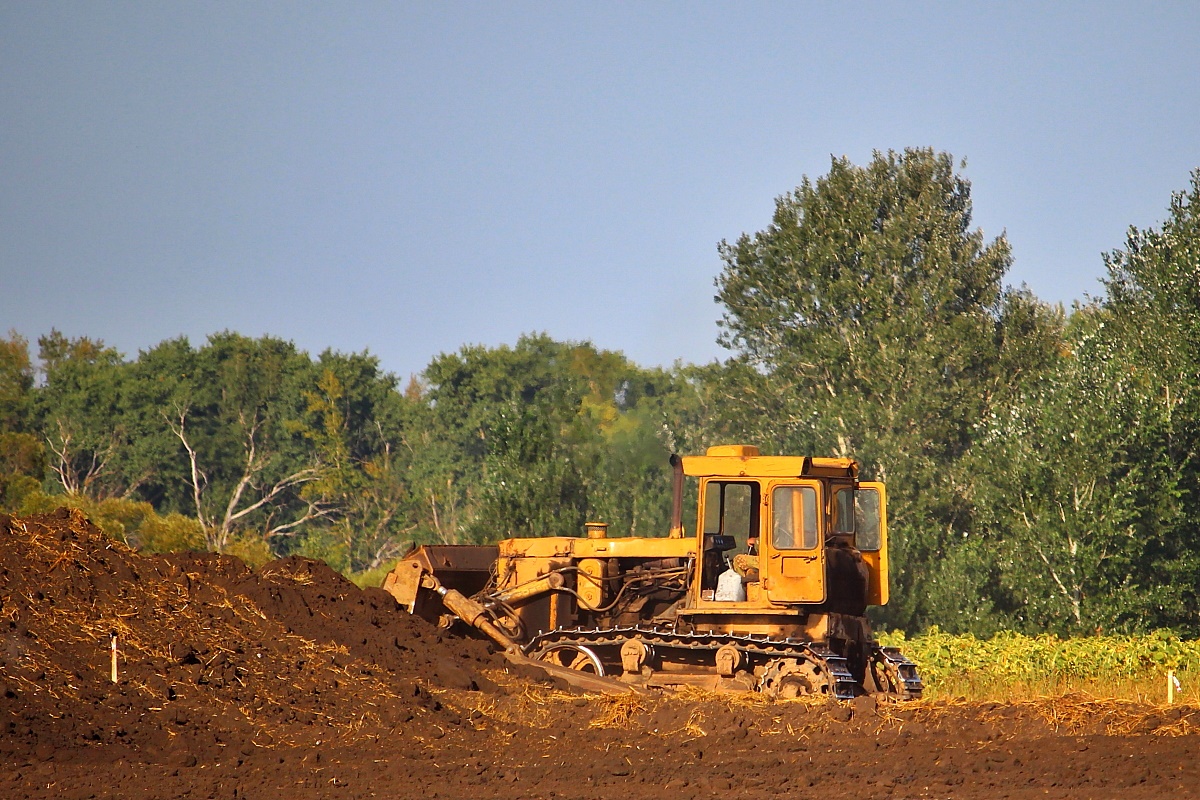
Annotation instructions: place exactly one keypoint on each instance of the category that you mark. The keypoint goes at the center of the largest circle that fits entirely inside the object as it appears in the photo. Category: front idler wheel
(573, 656)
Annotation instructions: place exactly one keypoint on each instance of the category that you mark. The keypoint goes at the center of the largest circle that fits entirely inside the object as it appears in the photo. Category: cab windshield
(731, 509)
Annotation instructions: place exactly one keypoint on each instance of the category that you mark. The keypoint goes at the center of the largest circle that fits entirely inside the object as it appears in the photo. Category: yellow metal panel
(767, 467)
(530, 569)
(877, 560)
(545, 547)
(632, 548)
(590, 583)
(736, 450)
(572, 547)
(754, 595)
(524, 560)
(404, 583)
(793, 574)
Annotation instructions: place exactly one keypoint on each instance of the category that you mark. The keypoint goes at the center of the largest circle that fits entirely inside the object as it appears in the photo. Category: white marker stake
(114, 657)
(1170, 687)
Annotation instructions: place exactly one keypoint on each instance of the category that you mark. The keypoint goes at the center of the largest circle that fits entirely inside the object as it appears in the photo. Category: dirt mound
(290, 681)
(210, 653)
(316, 603)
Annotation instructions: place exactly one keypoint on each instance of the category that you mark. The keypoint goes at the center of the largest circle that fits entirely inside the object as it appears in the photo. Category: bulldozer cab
(794, 531)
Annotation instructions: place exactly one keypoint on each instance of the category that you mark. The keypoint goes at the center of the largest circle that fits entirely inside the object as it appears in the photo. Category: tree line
(1041, 462)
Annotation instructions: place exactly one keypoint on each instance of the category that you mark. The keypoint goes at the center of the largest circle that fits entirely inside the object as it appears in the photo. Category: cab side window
(732, 509)
(794, 525)
(866, 512)
(843, 511)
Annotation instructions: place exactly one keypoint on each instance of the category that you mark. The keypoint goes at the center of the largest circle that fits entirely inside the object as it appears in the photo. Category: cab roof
(744, 461)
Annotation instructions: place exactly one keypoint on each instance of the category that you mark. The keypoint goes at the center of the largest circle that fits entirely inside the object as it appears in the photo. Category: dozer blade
(426, 582)
(465, 568)
(584, 681)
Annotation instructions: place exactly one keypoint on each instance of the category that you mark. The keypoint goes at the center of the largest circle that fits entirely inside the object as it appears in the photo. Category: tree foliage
(537, 438)
(1090, 480)
(22, 454)
(1043, 467)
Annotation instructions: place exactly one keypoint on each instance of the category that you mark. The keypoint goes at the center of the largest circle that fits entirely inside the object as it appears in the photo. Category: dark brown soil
(290, 682)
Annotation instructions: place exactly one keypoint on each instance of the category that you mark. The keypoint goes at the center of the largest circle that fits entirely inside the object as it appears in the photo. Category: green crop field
(1012, 666)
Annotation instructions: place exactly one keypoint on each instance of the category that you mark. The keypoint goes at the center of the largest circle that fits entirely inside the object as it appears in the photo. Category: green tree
(22, 454)
(1059, 478)
(153, 455)
(80, 415)
(531, 483)
(869, 320)
(497, 418)
(635, 419)
(236, 410)
(1153, 303)
(536, 438)
(1090, 489)
(16, 384)
(356, 424)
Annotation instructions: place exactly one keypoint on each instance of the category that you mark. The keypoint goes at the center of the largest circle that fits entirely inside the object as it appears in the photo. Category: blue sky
(410, 178)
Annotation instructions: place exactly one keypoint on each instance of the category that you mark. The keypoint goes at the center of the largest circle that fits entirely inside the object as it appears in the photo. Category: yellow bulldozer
(765, 589)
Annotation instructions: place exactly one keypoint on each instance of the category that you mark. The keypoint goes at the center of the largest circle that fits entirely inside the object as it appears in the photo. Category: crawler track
(906, 682)
(700, 649)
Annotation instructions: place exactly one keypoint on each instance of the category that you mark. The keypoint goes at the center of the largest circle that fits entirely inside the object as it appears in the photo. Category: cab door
(870, 511)
(793, 553)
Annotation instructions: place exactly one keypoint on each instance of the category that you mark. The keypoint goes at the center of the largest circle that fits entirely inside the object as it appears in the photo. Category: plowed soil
(290, 682)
